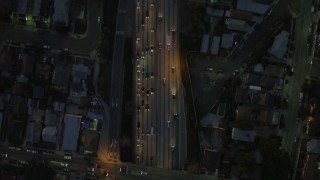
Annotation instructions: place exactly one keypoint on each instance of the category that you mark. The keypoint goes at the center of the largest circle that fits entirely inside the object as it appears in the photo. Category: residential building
(280, 45)
(243, 135)
(205, 43)
(71, 132)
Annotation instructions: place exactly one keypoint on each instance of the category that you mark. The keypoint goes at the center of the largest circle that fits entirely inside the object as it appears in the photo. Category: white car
(46, 47)
(99, 19)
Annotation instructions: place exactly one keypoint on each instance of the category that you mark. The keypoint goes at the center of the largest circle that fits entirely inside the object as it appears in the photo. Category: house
(61, 11)
(20, 9)
(237, 25)
(215, 45)
(258, 116)
(49, 134)
(43, 71)
(19, 105)
(272, 70)
(50, 118)
(210, 120)
(78, 9)
(313, 146)
(41, 10)
(214, 12)
(205, 43)
(28, 61)
(15, 129)
(71, 132)
(62, 76)
(243, 135)
(241, 15)
(33, 132)
(252, 6)
(279, 46)
(6, 61)
(38, 92)
(227, 40)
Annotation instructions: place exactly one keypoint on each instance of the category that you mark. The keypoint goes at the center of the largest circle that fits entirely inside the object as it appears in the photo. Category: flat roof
(205, 43)
(61, 11)
(71, 132)
(243, 135)
(251, 6)
(215, 45)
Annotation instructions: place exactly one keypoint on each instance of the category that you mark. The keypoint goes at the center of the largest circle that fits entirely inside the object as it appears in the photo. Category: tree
(269, 145)
(244, 160)
(39, 169)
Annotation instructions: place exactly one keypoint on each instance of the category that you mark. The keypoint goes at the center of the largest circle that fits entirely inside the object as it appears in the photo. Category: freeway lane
(117, 84)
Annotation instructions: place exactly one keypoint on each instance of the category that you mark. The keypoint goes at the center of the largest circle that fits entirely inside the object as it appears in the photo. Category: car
(163, 81)
(138, 5)
(160, 17)
(90, 169)
(172, 148)
(147, 75)
(138, 108)
(142, 22)
(143, 70)
(172, 69)
(99, 19)
(67, 156)
(123, 169)
(173, 96)
(147, 92)
(138, 36)
(105, 173)
(147, 107)
(175, 116)
(151, 75)
(138, 124)
(4, 154)
(160, 45)
(168, 46)
(147, 14)
(66, 170)
(90, 173)
(142, 89)
(20, 56)
(173, 30)
(46, 47)
(28, 150)
(152, 30)
(151, 48)
(143, 173)
(142, 103)
(151, 91)
(147, 49)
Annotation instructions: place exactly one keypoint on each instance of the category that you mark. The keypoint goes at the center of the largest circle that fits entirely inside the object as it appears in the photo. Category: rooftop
(243, 135)
(71, 132)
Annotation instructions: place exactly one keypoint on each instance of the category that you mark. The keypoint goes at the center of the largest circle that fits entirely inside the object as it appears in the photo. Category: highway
(159, 90)
(116, 92)
(78, 167)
